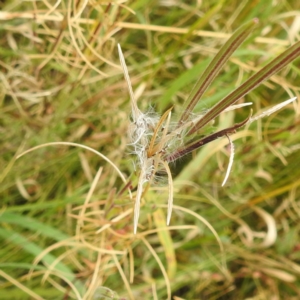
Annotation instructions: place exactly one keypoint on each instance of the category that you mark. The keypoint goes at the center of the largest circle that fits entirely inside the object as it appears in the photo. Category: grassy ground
(66, 215)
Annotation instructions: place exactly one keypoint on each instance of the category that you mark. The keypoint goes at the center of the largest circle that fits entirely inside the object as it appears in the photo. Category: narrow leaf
(273, 109)
(48, 259)
(166, 241)
(215, 66)
(274, 66)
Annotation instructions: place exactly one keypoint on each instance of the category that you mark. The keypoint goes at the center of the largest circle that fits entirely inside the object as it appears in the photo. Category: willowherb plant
(155, 144)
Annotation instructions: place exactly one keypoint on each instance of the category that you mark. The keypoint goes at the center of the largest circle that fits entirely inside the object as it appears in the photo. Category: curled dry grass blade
(79, 146)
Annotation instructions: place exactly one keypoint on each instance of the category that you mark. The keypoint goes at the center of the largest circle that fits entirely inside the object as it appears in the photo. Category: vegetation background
(66, 217)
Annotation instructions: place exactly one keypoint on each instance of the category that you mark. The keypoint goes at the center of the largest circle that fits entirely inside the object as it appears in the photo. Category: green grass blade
(274, 66)
(215, 66)
(33, 224)
(36, 250)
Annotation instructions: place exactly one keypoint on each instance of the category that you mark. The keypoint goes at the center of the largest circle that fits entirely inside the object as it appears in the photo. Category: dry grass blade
(161, 266)
(20, 286)
(273, 109)
(79, 146)
(170, 192)
(154, 149)
(230, 160)
(135, 111)
(123, 276)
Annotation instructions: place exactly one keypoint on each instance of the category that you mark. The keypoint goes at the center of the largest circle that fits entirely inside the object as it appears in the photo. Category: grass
(66, 214)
